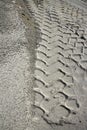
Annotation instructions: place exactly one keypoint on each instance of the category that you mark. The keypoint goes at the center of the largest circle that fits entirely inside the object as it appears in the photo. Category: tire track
(56, 48)
(61, 63)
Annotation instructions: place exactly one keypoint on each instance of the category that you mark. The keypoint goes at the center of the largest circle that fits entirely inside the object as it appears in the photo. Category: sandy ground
(15, 69)
(18, 39)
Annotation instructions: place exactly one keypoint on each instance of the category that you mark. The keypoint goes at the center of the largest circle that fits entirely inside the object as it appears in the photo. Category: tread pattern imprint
(61, 63)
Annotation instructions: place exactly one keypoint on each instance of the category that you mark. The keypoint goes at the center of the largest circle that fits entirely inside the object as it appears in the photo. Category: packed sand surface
(43, 65)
